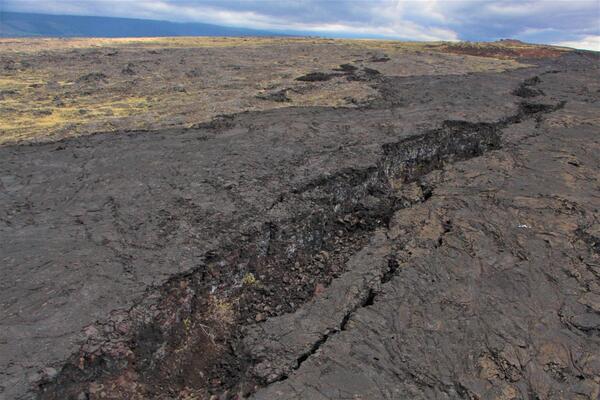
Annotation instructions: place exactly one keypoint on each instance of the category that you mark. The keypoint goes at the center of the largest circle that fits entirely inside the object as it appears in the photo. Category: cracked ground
(440, 240)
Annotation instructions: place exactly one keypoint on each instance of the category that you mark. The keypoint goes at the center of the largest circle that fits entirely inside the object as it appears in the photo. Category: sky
(573, 23)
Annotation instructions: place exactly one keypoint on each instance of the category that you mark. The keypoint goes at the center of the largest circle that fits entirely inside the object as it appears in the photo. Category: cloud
(334, 17)
(591, 42)
(544, 21)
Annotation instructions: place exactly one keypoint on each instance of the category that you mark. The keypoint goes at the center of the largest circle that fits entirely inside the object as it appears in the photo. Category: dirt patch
(379, 58)
(147, 84)
(503, 50)
(93, 78)
(279, 96)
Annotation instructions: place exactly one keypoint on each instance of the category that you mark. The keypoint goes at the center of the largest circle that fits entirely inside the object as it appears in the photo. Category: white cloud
(393, 28)
(390, 24)
(591, 42)
(542, 21)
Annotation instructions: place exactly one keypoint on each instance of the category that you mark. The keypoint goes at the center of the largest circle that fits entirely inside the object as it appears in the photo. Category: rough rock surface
(495, 295)
(440, 242)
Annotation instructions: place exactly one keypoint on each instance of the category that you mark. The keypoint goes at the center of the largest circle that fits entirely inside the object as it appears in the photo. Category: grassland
(54, 88)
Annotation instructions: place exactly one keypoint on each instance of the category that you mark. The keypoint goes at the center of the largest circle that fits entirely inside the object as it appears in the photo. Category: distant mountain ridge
(14, 24)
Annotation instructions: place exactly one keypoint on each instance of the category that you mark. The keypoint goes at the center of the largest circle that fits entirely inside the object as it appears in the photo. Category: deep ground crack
(333, 215)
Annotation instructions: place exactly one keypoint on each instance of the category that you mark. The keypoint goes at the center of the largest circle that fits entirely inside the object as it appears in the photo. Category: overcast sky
(575, 23)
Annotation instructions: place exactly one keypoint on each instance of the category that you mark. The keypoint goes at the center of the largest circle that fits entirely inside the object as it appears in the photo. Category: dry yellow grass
(28, 45)
(53, 88)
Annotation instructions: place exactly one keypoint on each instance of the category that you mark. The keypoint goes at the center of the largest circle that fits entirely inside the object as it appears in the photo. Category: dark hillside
(27, 25)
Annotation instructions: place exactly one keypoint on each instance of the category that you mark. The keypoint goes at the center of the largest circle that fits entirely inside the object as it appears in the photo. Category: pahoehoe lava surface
(441, 241)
